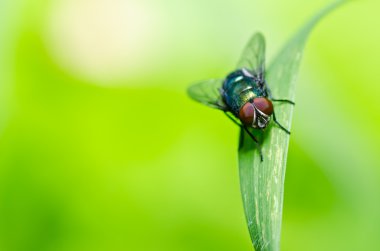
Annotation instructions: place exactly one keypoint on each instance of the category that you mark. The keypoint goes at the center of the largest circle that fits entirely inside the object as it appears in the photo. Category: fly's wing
(253, 57)
(208, 92)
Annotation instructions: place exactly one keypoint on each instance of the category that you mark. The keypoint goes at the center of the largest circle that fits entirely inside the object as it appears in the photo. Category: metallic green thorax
(239, 88)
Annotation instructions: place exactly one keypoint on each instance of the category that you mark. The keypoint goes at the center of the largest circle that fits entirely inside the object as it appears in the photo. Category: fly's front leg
(269, 95)
(283, 100)
(275, 121)
(256, 141)
(232, 119)
(242, 135)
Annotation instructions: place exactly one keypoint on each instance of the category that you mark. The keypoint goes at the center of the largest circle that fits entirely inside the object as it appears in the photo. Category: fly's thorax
(245, 97)
(238, 88)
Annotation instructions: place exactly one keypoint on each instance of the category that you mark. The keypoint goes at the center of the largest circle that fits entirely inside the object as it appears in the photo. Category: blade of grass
(262, 183)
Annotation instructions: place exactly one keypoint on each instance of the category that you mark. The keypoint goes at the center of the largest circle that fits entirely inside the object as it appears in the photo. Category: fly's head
(256, 113)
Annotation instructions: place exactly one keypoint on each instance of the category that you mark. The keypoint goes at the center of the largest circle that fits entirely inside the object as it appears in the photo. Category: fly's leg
(275, 121)
(232, 119)
(242, 135)
(283, 100)
(241, 139)
(269, 94)
(256, 141)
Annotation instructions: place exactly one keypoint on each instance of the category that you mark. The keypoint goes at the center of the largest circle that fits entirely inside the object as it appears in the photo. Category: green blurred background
(101, 149)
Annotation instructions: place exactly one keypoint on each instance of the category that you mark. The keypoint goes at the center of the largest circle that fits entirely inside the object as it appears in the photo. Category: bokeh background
(101, 149)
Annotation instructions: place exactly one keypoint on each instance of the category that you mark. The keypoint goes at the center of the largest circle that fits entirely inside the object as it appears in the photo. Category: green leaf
(262, 183)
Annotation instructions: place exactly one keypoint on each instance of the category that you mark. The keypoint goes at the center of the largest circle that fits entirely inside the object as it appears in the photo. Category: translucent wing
(208, 92)
(253, 57)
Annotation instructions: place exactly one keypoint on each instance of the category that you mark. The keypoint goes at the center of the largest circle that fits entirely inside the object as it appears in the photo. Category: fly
(243, 95)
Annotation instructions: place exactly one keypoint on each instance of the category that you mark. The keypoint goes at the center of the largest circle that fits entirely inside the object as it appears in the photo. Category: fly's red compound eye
(247, 114)
(264, 105)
